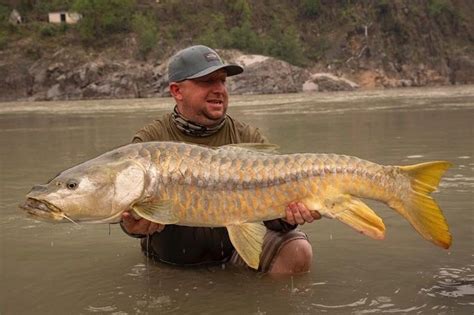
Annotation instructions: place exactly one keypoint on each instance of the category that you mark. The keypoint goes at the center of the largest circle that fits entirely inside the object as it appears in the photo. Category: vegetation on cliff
(300, 32)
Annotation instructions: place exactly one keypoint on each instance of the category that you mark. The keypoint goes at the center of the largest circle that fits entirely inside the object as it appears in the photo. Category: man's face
(203, 100)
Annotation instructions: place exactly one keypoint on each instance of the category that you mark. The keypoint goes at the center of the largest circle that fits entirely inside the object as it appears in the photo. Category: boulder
(15, 17)
(310, 86)
(265, 75)
(54, 93)
(269, 76)
(329, 82)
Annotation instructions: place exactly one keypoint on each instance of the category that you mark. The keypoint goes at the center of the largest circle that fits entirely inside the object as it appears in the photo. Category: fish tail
(419, 208)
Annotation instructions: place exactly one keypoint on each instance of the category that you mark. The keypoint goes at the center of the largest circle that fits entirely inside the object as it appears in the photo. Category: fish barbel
(238, 187)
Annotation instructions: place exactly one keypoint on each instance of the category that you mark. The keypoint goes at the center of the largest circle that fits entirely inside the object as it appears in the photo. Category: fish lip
(36, 206)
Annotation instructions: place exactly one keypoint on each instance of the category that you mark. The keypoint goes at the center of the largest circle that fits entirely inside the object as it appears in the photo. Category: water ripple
(137, 271)
(100, 309)
(381, 304)
(392, 310)
(458, 181)
(356, 303)
(452, 282)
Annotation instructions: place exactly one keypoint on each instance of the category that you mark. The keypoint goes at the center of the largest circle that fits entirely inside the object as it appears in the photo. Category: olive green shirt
(232, 132)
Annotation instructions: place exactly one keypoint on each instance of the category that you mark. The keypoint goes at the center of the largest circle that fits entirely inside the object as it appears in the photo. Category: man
(197, 79)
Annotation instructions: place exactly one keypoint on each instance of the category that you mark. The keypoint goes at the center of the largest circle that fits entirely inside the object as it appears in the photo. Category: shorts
(273, 242)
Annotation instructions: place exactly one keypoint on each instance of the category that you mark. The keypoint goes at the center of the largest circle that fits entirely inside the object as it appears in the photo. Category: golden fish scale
(227, 186)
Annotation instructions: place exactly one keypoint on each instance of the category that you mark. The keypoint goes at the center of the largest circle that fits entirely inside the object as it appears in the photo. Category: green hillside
(300, 32)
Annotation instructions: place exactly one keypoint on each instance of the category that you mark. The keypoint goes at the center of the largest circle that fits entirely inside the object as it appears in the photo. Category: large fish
(238, 187)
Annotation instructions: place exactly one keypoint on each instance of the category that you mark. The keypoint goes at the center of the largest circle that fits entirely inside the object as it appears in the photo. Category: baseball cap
(197, 61)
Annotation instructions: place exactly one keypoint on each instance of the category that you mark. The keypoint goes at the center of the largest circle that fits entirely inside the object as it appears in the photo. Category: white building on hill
(64, 17)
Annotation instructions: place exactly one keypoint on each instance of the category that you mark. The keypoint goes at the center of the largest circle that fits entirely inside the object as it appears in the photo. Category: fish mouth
(42, 209)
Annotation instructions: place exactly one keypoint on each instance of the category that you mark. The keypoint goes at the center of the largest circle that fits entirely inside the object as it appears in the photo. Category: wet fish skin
(238, 187)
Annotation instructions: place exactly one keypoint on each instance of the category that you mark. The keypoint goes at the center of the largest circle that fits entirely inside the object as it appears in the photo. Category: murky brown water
(65, 269)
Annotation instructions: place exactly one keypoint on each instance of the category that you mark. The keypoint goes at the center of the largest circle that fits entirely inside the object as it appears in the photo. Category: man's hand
(139, 226)
(297, 213)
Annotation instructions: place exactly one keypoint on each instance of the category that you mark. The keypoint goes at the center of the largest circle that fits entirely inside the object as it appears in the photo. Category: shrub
(285, 43)
(216, 33)
(44, 7)
(3, 40)
(33, 52)
(147, 33)
(103, 17)
(318, 48)
(310, 8)
(437, 7)
(243, 37)
(48, 30)
(4, 14)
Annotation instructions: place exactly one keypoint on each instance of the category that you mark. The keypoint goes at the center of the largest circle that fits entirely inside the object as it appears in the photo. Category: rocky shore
(67, 74)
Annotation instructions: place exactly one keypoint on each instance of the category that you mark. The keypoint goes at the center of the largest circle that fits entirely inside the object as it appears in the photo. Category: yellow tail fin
(420, 208)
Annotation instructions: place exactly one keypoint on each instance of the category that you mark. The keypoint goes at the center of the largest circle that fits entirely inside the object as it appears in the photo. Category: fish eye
(72, 184)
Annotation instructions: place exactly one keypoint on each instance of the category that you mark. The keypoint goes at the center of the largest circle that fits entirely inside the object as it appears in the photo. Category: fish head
(96, 191)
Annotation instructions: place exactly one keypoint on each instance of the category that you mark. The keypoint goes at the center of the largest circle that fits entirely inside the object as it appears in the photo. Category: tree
(103, 17)
(147, 33)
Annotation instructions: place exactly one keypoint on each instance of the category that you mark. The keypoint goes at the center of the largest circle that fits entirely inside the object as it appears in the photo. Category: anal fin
(349, 210)
(247, 239)
(360, 217)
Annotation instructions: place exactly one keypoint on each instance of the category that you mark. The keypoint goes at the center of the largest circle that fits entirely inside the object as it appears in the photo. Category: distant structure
(64, 17)
(15, 17)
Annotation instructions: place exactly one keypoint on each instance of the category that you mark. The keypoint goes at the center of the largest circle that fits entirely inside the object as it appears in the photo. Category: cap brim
(231, 70)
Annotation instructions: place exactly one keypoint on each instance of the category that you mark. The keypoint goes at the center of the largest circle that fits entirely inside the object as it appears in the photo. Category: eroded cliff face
(72, 74)
(400, 44)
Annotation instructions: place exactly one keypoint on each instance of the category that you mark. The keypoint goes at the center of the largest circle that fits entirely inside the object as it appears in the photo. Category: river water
(68, 269)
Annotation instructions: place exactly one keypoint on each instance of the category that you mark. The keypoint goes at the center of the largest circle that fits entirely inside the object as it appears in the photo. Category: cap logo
(210, 56)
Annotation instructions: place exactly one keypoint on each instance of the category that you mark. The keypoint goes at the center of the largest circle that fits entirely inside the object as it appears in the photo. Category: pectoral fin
(160, 212)
(350, 211)
(247, 239)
